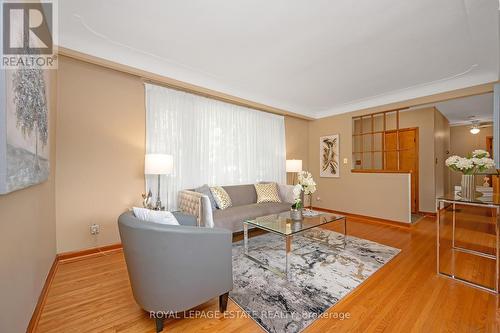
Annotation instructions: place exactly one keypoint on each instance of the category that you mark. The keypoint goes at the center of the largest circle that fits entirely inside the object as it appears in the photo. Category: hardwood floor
(406, 295)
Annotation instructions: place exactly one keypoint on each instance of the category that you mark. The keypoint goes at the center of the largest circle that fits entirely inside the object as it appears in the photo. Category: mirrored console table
(447, 207)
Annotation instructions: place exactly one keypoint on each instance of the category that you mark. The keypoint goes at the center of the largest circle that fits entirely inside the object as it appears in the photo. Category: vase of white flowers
(308, 185)
(468, 187)
(296, 210)
(477, 162)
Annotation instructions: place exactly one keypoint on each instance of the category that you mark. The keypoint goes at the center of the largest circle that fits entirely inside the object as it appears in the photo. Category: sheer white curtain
(211, 142)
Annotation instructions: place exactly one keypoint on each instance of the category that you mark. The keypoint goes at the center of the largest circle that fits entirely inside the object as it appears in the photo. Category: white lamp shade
(158, 164)
(475, 130)
(293, 165)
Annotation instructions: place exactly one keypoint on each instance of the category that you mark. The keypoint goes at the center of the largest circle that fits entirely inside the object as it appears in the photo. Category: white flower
(304, 177)
(488, 163)
(464, 164)
(479, 162)
(310, 189)
(480, 153)
(307, 182)
(452, 160)
(297, 190)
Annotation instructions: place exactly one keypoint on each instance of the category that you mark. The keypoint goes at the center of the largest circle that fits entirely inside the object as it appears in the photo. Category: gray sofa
(173, 268)
(244, 206)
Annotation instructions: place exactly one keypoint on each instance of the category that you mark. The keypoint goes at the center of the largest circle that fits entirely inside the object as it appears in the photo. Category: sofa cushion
(221, 197)
(286, 193)
(205, 189)
(185, 219)
(241, 194)
(267, 193)
(155, 216)
(232, 218)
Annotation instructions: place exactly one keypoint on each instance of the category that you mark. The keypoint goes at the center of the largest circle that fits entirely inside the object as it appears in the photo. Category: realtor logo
(28, 31)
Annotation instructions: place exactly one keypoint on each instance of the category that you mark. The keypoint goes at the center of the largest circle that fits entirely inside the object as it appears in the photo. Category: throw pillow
(155, 216)
(221, 197)
(205, 189)
(267, 193)
(286, 193)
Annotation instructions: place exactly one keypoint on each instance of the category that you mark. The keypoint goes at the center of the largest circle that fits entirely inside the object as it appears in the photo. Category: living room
(302, 177)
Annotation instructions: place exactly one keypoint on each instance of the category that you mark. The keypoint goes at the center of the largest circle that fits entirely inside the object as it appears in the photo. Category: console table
(452, 200)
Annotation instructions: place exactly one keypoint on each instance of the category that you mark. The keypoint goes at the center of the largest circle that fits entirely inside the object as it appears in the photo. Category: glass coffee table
(282, 225)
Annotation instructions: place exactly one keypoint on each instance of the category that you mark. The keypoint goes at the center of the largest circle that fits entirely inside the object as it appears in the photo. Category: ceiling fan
(476, 126)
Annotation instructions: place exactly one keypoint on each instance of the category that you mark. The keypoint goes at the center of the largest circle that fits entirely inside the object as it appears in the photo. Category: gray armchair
(175, 268)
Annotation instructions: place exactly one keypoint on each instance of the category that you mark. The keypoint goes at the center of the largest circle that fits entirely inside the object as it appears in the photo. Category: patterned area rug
(322, 273)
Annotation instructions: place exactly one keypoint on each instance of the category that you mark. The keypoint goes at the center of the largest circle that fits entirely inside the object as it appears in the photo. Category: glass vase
(468, 187)
(296, 214)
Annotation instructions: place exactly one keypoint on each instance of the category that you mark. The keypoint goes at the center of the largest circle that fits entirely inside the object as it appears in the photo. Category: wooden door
(404, 157)
(489, 145)
(390, 148)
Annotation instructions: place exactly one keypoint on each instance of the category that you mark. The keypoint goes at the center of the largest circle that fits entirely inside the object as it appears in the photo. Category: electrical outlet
(95, 229)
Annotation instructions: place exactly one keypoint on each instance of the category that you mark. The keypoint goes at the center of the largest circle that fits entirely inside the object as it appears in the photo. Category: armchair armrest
(198, 205)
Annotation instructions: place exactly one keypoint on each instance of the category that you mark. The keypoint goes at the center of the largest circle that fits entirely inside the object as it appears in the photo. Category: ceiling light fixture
(474, 129)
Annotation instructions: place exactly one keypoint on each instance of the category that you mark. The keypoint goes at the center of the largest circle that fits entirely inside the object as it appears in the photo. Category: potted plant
(308, 185)
(476, 162)
(296, 211)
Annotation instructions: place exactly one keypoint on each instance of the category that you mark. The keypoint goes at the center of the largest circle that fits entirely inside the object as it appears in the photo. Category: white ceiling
(316, 58)
(459, 111)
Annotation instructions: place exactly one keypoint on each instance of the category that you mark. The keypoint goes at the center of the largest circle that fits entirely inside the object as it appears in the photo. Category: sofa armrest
(198, 205)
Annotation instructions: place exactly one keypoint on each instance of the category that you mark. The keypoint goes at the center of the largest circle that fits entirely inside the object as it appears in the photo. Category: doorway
(401, 154)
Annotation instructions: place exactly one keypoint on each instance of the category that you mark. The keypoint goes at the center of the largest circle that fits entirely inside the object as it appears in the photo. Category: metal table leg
(345, 232)
(453, 228)
(245, 237)
(438, 222)
(454, 248)
(288, 250)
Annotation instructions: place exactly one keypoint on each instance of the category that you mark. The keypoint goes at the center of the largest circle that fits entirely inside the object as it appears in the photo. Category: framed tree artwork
(329, 156)
(24, 132)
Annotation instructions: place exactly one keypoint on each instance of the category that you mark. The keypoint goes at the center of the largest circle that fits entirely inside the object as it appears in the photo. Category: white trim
(409, 198)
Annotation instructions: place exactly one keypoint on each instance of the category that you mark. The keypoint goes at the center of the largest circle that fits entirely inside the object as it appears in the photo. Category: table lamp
(294, 166)
(158, 164)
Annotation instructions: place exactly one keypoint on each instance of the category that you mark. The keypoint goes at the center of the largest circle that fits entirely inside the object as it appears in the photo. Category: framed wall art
(329, 156)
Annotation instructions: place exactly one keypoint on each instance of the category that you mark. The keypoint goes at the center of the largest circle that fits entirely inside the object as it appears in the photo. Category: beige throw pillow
(267, 193)
(221, 197)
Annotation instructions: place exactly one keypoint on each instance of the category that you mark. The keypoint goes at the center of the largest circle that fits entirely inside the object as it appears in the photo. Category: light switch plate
(345, 160)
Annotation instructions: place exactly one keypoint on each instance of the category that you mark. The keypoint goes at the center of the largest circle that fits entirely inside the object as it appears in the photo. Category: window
(376, 142)
(212, 142)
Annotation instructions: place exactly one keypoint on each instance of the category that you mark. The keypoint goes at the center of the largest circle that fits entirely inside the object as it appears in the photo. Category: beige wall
(441, 153)
(297, 133)
(423, 119)
(100, 155)
(297, 147)
(378, 195)
(28, 246)
(462, 142)
(373, 194)
(100, 140)
(101, 146)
